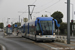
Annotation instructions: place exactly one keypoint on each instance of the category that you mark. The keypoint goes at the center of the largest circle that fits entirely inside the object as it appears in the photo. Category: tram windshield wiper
(45, 27)
(48, 25)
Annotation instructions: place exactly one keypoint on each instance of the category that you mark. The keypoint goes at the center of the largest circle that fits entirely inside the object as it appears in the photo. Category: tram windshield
(47, 25)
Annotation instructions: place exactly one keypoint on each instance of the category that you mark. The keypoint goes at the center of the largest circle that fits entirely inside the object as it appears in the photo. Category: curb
(2, 47)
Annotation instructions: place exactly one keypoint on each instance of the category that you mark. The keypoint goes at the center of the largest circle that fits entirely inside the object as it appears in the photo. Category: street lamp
(8, 20)
(48, 12)
(72, 9)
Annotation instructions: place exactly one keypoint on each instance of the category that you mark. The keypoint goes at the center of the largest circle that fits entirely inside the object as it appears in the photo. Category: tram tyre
(53, 40)
(22, 36)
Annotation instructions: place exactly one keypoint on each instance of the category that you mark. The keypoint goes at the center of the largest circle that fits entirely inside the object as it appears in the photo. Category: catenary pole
(68, 21)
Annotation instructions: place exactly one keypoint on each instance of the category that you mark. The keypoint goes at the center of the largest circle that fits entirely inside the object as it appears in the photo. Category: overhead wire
(34, 2)
(26, 9)
(44, 4)
(49, 6)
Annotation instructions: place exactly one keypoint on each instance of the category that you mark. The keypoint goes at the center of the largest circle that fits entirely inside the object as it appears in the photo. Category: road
(18, 43)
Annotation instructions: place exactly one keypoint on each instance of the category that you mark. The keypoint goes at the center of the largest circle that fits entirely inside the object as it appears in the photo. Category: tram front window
(46, 27)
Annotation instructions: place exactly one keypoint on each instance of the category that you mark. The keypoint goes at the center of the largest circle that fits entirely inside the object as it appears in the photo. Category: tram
(22, 30)
(41, 28)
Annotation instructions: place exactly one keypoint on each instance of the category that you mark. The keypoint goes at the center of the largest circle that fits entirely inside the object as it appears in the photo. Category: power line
(38, 7)
(49, 6)
(34, 2)
(44, 4)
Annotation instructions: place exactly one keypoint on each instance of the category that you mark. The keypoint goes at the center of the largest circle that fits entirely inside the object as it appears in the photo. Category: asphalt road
(18, 43)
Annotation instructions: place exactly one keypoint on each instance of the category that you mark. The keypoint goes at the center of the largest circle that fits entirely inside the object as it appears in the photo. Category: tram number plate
(47, 36)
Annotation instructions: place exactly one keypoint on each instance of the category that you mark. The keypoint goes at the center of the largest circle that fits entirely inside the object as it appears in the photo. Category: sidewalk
(72, 37)
(66, 36)
(14, 34)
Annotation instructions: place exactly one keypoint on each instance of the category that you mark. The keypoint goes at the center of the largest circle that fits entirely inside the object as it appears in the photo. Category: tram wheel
(53, 40)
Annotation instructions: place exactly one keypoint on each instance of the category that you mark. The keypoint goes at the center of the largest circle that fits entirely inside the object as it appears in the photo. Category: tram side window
(54, 26)
(38, 27)
(26, 29)
(32, 29)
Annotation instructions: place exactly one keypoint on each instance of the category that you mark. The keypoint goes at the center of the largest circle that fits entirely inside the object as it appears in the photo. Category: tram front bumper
(45, 38)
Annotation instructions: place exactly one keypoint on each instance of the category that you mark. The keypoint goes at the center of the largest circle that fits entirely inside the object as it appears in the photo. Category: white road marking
(3, 47)
(50, 46)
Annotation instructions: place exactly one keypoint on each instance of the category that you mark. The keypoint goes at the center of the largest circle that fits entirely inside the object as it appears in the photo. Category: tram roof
(40, 18)
(45, 18)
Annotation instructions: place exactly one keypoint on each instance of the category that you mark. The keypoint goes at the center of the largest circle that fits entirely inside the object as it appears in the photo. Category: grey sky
(10, 8)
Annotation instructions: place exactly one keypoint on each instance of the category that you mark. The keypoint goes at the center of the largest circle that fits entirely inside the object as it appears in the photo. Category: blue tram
(41, 28)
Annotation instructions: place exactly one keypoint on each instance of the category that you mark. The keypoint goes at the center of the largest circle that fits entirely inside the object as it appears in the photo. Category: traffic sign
(15, 25)
(25, 19)
(9, 25)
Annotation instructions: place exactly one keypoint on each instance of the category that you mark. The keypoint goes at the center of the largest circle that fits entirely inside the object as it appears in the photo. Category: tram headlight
(39, 33)
(53, 34)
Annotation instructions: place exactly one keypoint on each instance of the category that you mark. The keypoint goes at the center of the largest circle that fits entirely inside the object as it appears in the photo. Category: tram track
(57, 46)
(53, 45)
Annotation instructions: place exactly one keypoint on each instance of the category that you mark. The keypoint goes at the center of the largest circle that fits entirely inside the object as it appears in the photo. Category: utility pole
(30, 13)
(19, 18)
(8, 21)
(68, 21)
(21, 21)
(72, 17)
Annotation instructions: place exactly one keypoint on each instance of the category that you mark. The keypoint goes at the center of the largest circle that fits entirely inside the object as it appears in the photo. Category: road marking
(65, 44)
(50, 46)
(3, 47)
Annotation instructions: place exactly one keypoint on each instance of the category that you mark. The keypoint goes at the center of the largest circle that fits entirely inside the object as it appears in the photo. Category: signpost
(25, 19)
(9, 29)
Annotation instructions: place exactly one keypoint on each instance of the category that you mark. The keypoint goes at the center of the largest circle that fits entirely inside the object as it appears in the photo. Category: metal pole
(21, 22)
(58, 30)
(72, 30)
(72, 11)
(28, 12)
(72, 19)
(19, 18)
(8, 21)
(68, 21)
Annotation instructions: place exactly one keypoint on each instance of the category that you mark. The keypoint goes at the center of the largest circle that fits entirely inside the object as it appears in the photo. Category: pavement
(64, 35)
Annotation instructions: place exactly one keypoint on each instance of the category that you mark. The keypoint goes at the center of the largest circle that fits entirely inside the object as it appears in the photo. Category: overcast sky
(10, 9)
